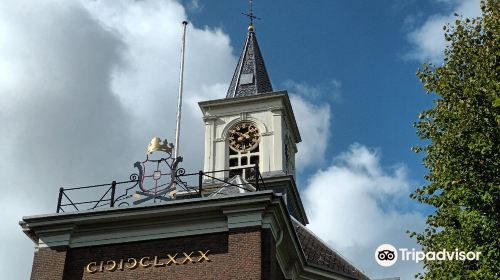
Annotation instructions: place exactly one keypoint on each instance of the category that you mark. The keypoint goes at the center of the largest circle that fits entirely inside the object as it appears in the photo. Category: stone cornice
(289, 179)
(180, 218)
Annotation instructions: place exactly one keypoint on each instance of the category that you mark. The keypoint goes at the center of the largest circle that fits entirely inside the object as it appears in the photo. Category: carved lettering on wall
(182, 258)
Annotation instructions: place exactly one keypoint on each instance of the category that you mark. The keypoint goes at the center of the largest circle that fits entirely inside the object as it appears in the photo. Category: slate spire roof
(250, 76)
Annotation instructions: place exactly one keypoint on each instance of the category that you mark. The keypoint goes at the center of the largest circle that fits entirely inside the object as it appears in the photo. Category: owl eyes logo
(386, 255)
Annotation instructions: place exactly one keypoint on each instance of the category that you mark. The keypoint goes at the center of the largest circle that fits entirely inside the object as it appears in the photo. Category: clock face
(244, 137)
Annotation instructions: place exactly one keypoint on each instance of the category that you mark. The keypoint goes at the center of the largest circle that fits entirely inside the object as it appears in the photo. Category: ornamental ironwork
(158, 178)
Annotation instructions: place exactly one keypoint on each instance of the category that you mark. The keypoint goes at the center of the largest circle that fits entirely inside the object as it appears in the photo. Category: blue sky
(84, 85)
(362, 46)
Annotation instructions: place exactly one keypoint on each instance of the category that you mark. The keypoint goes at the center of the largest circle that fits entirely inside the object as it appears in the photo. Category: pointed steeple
(250, 76)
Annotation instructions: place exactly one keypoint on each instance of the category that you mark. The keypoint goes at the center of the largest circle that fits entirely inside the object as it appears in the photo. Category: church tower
(253, 125)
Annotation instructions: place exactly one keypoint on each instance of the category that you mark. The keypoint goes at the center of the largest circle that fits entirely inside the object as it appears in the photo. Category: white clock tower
(252, 125)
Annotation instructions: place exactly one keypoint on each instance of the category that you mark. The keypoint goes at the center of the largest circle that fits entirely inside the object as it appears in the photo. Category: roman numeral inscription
(187, 258)
(166, 260)
(172, 260)
(203, 256)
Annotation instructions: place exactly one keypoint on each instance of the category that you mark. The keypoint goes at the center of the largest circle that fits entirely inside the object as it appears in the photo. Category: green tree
(461, 149)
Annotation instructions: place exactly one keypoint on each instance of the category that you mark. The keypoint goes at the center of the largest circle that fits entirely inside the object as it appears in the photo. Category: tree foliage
(462, 150)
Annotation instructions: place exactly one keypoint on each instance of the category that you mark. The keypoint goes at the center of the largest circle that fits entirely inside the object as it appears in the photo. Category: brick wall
(245, 252)
(238, 254)
(49, 263)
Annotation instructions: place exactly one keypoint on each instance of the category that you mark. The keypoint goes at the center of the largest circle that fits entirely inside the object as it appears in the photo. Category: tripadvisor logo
(387, 255)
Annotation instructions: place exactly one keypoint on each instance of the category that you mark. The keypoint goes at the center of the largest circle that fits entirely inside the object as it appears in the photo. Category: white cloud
(428, 40)
(16, 248)
(330, 91)
(84, 86)
(195, 6)
(313, 122)
(147, 83)
(313, 115)
(352, 205)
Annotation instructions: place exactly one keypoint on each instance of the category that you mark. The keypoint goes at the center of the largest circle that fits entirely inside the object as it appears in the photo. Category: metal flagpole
(179, 98)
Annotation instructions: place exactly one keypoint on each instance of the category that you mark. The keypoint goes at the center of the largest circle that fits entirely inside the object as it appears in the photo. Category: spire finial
(251, 16)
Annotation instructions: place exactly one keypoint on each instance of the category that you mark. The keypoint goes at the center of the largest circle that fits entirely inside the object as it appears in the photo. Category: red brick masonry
(231, 255)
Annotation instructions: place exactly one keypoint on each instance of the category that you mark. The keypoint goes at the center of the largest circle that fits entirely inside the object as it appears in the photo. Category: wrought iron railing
(122, 193)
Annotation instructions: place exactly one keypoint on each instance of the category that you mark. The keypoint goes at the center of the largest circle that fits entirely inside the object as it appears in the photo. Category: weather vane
(251, 15)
